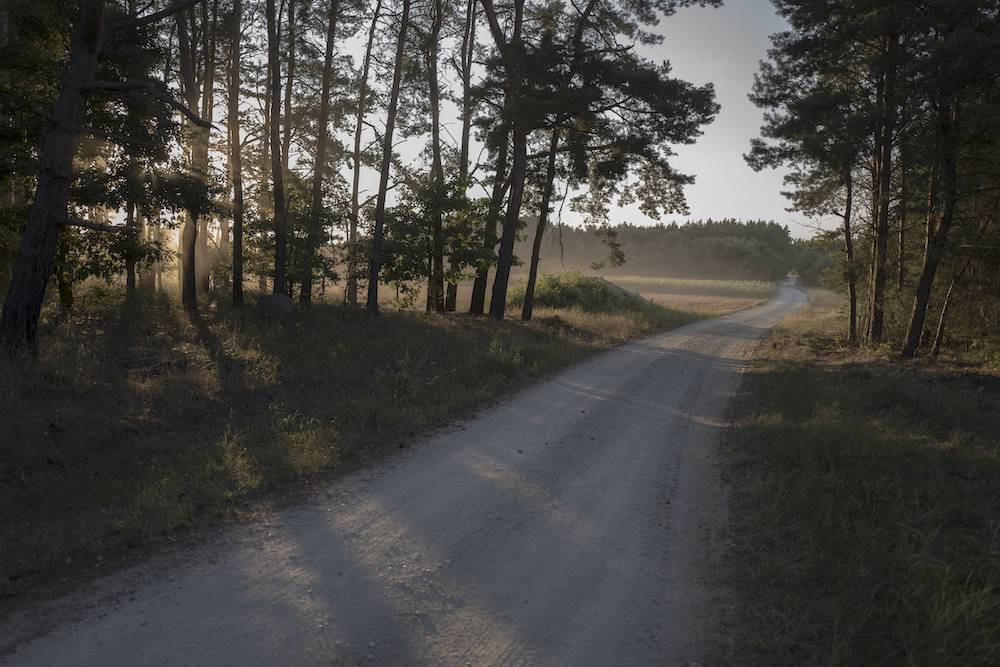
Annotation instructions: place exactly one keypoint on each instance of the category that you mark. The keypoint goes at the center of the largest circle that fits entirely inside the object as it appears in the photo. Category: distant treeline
(719, 249)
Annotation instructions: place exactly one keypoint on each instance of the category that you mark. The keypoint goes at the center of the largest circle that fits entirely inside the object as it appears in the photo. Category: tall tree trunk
(543, 216)
(500, 184)
(319, 168)
(189, 230)
(131, 247)
(147, 276)
(935, 251)
(158, 267)
(904, 202)
(505, 254)
(513, 117)
(23, 303)
(277, 161)
(352, 233)
(375, 263)
(852, 289)
(468, 50)
(236, 150)
(209, 19)
(435, 286)
(887, 129)
(63, 284)
(286, 136)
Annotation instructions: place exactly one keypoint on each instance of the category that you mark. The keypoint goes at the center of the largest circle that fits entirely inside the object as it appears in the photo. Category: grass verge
(866, 505)
(141, 419)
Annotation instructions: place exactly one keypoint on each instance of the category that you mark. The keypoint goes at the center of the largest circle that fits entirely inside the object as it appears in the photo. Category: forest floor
(866, 503)
(140, 420)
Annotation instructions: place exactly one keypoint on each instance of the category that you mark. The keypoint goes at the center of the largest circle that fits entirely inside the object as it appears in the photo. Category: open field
(140, 419)
(866, 504)
(747, 289)
(708, 298)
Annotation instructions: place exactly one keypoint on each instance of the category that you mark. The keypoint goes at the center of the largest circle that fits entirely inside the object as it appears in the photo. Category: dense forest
(722, 249)
(886, 113)
(245, 131)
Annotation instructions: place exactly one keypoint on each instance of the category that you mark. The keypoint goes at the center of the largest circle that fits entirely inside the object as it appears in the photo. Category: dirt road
(577, 523)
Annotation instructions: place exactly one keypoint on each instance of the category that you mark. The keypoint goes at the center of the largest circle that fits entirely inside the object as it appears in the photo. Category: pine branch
(155, 88)
(96, 226)
(137, 22)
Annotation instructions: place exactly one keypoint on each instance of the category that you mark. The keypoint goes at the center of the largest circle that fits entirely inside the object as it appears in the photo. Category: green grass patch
(866, 506)
(594, 303)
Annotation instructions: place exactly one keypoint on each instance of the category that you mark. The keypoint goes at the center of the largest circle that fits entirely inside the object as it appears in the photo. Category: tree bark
(375, 262)
(319, 168)
(286, 136)
(543, 215)
(852, 289)
(904, 202)
(130, 248)
(189, 230)
(505, 255)
(887, 128)
(352, 234)
(236, 151)
(500, 183)
(209, 28)
(468, 50)
(936, 247)
(512, 56)
(23, 303)
(435, 287)
(147, 276)
(277, 161)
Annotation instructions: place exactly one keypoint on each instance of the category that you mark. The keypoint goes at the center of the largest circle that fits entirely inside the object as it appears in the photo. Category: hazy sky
(724, 46)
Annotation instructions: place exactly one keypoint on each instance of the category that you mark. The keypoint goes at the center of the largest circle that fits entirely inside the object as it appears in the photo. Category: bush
(588, 293)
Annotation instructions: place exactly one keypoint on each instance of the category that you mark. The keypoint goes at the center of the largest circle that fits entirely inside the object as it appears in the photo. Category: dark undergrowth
(866, 506)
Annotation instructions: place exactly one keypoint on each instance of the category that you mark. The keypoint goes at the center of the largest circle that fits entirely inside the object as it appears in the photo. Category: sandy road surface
(577, 523)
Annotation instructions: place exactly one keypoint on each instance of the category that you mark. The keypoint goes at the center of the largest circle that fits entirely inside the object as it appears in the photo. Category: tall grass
(866, 506)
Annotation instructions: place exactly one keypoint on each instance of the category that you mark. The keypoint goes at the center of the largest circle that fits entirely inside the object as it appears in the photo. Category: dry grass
(866, 505)
(741, 289)
(140, 419)
(705, 305)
